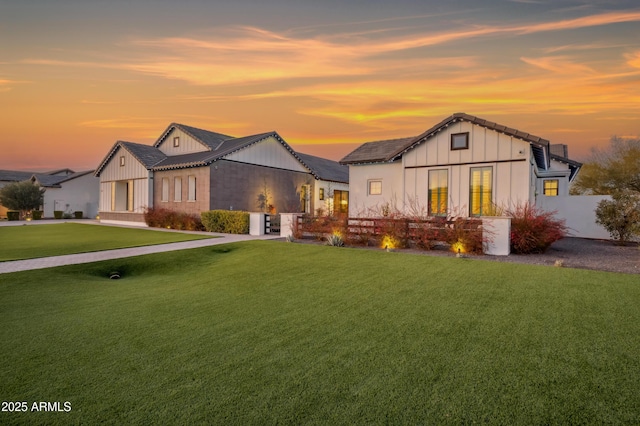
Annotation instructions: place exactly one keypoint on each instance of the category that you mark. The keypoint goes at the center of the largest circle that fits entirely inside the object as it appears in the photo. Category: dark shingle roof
(207, 138)
(376, 152)
(14, 175)
(325, 169)
(387, 151)
(223, 148)
(147, 155)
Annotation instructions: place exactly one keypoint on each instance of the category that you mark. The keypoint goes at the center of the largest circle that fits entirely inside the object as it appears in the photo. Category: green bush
(226, 221)
(58, 214)
(13, 215)
(78, 214)
(620, 215)
(36, 214)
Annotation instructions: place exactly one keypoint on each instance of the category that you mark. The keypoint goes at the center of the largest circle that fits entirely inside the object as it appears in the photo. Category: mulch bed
(581, 253)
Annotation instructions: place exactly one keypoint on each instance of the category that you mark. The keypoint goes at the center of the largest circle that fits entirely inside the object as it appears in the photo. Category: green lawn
(270, 332)
(32, 241)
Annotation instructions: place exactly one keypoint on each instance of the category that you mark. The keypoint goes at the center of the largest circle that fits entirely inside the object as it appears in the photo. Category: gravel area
(583, 253)
(601, 255)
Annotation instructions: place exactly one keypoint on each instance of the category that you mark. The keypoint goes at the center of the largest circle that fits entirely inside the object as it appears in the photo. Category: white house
(463, 165)
(66, 190)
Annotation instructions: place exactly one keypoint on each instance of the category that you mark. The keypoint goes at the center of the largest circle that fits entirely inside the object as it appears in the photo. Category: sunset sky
(78, 75)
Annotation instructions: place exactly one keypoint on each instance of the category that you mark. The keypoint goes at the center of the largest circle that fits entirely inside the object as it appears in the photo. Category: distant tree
(23, 196)
(615, 168)
(620, 215)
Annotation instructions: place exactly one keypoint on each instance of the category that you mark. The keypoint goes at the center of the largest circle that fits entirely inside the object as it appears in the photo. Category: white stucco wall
(329, 187)
(578, 211)
(361, 204)
(80, 194)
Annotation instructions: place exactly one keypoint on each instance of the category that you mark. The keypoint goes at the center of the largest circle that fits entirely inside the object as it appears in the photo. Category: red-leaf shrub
(533, 230)
(466, 232)
(165, 218)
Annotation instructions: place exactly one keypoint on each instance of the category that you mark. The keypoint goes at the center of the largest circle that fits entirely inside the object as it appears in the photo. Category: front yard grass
(33, 241)
(269, 332)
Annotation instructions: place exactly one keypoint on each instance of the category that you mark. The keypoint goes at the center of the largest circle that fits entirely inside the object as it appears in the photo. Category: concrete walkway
(73, 259)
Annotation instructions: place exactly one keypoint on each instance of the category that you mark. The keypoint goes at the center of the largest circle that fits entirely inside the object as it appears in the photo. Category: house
(194, 170)
(66, 190)
(463, 165)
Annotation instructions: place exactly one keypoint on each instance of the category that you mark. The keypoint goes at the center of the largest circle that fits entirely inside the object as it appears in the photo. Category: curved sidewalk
(97, 256)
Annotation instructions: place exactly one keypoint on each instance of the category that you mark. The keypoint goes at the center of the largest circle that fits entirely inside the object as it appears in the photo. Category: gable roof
(222, 149)
(147, 155)
(325, 169)
(14, 175)
(47, 180)
(392, 150)
(210, 140)
(376, 151)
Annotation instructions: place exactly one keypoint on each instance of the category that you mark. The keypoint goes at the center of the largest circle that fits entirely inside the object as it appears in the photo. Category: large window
(340, 202)
(550, 187)
(192, 188)
(165, 189)
(438, 192)
(375, 187)
(177, 189)
(480, 194)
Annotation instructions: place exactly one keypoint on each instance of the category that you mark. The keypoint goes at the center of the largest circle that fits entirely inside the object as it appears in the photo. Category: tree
(23, 196)
(621, 215)
(615, 168)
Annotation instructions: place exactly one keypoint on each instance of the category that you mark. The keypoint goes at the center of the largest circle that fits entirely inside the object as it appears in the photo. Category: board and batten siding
(509, 158)
(187, 144)
(270, 153)
(132, 170)
(405, 183)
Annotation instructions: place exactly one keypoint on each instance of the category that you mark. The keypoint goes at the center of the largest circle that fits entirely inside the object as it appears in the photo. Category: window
(480, 191)
(122, 161)
(192, 188)
(321, 194)
(438, 192)
(375, 187)
(165, 189)
(460, 141)
(550, 187)
(177, 189)
(340, 202)
(176, 141)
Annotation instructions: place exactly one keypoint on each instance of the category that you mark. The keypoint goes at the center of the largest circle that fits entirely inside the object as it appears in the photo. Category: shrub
(321, 226)
(165, 218)
(78, 214)
(226, 221)
(57, 214)
(533, 230)
(335, 240)
(13, 215)
(393, 231)
(426, 233)
(620, 216)
(36, 214)
(465, 235)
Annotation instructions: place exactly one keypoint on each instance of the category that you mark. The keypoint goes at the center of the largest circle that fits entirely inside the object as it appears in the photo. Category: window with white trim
(192, 188)
(177, 189)
(165, 190)
(374, 187)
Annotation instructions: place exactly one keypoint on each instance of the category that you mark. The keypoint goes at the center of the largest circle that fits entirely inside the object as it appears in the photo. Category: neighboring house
(193, 170)
(66, 190)
(463, 165)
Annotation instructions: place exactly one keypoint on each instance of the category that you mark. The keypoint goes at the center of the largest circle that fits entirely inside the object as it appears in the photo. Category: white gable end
(185, 144)
(268, 152)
